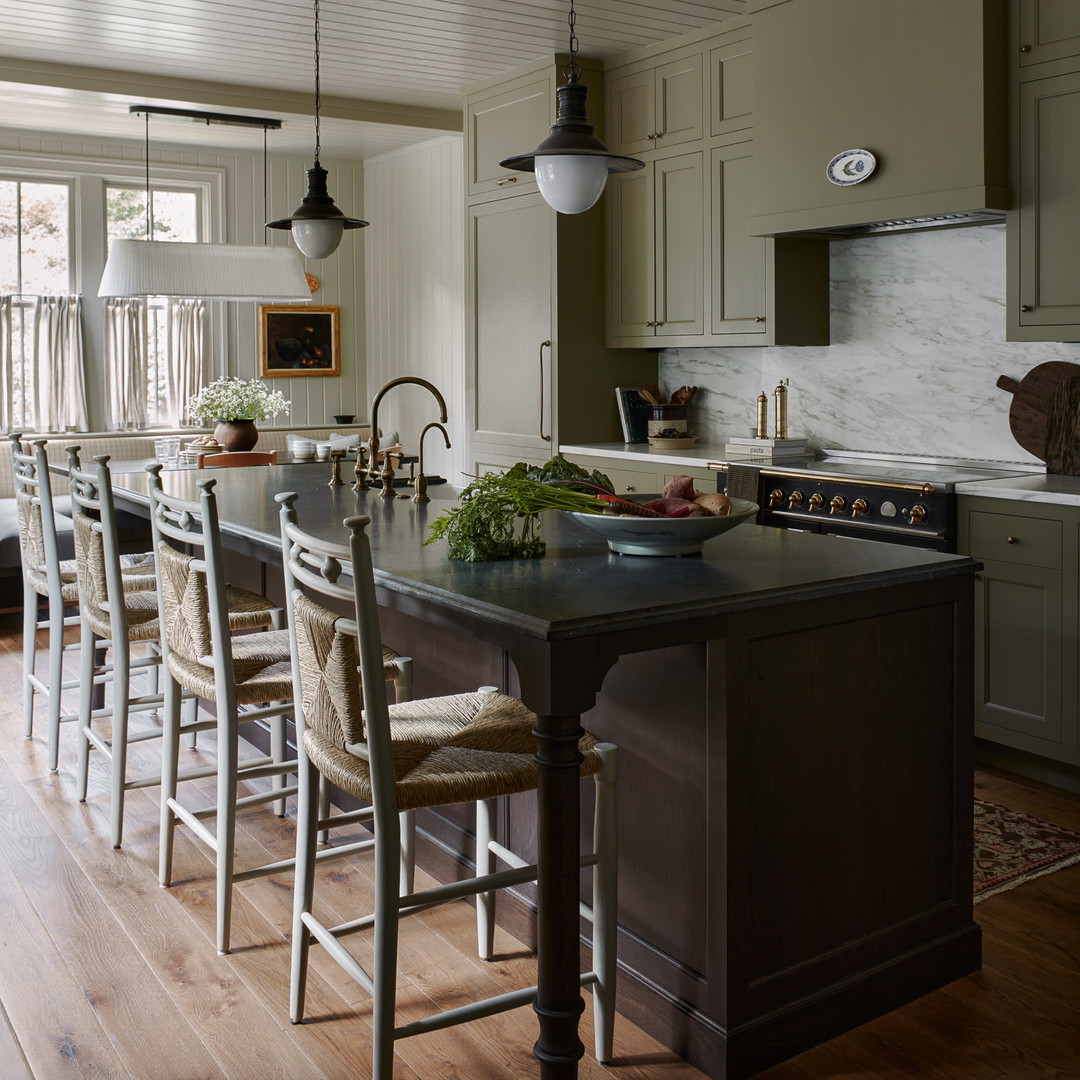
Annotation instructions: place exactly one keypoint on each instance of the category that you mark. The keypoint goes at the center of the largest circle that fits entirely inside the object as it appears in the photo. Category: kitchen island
(794, 720)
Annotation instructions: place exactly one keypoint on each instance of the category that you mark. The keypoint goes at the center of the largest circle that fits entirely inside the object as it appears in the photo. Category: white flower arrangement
(233, 398)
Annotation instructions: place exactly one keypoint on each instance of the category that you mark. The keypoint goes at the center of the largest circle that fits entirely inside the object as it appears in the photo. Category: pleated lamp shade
(213, 271)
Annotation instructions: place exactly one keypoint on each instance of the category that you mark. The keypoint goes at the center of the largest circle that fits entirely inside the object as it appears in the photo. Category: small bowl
(662, 536)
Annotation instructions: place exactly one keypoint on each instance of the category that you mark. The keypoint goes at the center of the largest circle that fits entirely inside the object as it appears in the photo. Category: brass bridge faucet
(373, 441)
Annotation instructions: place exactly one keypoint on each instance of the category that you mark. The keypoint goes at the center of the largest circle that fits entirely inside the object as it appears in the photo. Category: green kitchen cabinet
(657, 104)
(1048, 30)
(1026, 621)
(656, 267)
(1043, 229)
(682, 268)
(537, 368)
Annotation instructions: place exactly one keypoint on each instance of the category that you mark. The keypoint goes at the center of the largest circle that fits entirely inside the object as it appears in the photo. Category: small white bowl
(632, 535)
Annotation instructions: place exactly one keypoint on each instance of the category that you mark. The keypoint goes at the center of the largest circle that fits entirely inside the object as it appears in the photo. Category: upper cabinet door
(1049, 30)
(511, 120)
(655, 106)
(1044, 230)
(731, 82)
(680, 259)
(631, 262)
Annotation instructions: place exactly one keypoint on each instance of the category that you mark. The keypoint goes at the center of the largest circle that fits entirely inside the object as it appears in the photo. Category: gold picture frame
(298, 340)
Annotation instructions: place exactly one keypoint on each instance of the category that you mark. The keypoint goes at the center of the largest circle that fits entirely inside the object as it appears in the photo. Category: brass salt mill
(762, 416)
(421, 480)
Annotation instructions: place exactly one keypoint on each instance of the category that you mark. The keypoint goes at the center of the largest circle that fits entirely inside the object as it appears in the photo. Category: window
(157, 343)
(35, 237)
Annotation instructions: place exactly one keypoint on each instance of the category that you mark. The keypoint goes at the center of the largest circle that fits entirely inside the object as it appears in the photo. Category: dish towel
(742, 482)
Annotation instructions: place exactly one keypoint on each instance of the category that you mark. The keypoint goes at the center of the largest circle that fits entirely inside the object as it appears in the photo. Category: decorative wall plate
(850, 167)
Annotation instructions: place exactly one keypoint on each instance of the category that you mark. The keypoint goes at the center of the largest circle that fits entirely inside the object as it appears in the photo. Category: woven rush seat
(471, 747)
(459, 748)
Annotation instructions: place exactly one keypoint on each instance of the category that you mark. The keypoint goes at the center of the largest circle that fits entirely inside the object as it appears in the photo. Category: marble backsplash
(918, 342)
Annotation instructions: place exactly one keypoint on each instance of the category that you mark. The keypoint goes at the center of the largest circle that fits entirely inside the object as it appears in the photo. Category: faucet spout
(373, 441)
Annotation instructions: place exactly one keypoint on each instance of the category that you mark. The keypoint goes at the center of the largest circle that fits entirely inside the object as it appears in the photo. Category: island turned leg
(558, 1001)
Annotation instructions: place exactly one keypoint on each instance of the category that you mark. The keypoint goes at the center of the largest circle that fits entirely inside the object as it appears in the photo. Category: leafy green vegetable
(498, 516)
(573, 477)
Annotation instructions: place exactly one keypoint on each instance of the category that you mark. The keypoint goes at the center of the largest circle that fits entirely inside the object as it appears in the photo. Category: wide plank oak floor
(104, 974)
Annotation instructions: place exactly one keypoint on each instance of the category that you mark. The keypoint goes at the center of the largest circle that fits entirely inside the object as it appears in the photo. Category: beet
(672, 506)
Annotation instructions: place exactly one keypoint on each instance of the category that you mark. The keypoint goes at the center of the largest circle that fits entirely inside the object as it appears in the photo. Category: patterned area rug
(1012, 847)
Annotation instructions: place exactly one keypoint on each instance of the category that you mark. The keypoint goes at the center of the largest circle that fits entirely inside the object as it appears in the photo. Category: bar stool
(47, 574)
(239, 674)
(466, 747)
(134, 619)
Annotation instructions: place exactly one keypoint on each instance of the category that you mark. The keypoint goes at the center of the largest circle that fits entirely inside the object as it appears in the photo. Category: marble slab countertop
(1040, 487)
(693, 457)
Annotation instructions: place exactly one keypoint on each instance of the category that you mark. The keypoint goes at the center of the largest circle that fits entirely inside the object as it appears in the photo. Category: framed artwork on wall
(299, 339)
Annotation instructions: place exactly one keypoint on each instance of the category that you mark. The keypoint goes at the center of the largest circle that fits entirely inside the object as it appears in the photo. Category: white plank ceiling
(392, 70)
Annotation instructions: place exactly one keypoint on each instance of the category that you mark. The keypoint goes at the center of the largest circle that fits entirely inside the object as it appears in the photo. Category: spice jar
(667, 421)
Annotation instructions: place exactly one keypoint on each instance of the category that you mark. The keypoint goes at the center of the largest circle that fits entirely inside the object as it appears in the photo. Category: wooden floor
(105, 975)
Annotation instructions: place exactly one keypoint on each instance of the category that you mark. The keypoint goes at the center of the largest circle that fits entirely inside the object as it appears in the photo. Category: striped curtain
(126, 362)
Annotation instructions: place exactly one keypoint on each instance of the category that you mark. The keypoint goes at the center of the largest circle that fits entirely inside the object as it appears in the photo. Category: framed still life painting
(299, 339)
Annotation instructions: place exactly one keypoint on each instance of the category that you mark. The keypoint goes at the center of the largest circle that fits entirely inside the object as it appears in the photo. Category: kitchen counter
(639, 453)
(795, 832)
(1039, 488)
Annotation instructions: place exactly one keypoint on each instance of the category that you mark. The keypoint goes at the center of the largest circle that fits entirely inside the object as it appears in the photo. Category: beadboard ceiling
(392, 70)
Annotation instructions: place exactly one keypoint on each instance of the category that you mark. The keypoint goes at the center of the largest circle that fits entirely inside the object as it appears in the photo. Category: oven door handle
(827, 478)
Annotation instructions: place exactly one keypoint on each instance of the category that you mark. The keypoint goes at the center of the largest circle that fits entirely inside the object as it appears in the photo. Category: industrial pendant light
(317, 224)
(212, 271)
(571, 164)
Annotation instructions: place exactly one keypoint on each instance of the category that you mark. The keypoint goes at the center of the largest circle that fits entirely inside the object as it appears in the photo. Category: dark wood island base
(794, 718)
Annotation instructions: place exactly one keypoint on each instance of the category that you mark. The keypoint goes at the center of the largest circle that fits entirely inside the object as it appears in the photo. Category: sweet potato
(671, 506)
(716, 503)
(679, 487)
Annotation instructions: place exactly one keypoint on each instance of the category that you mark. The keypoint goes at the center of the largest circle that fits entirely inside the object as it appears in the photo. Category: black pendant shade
(317, 205)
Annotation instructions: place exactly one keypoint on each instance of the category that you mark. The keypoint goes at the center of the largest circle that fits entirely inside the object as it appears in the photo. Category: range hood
(919, 85)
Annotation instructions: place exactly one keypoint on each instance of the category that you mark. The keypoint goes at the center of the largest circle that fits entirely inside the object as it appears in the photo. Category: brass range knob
(817, 501)
(795, 499)
(776, 497)
(859, 507)
(917, 515)
(837, 504)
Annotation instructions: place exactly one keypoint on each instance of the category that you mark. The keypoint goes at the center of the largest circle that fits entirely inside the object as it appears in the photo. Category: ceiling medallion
(850, 167)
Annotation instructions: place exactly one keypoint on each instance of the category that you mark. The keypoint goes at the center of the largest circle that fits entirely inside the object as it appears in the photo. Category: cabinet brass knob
(1025, 48)
(630, 487)
(1011, 540)
(759, 318)
(505, 180)
(1025, 307)
(649, 138)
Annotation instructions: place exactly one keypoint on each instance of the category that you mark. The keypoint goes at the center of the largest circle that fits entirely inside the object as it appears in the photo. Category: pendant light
(317, 224)
(211, 271)
(571, 164)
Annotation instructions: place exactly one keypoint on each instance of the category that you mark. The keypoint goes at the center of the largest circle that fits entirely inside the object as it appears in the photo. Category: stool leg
(226, 821)
(277, 752)
(170, 754)
(403, 680)
(30, 602)
(407, 827)
(121, 694)
(307, 824)
(56, 677)
(87, 688)
(485, 864)
(605, 903)
(324, 807)
(387, 858)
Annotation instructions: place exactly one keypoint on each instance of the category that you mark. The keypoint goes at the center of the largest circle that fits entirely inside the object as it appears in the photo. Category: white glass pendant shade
(571, 183)
(318, 237)
(213, 271)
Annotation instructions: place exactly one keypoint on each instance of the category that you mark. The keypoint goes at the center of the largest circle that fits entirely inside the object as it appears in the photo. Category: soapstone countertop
(579, 587)
(1051, 488)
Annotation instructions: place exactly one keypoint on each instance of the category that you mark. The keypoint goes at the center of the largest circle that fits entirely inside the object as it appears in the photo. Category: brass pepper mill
(780, 393)
(762, 416)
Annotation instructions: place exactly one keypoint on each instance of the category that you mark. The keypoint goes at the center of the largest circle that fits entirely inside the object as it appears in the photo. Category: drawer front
(1008, 538)
(633, 481)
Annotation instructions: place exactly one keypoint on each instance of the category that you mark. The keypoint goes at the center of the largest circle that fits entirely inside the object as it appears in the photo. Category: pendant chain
(573, 70)
(318, 96)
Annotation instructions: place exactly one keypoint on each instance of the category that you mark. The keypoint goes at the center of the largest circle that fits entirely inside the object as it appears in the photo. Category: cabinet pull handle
(1011, 540)
(1025, 48)
(1025, 307)
(505, 180)
(759, 318)
(543, 345)
(649, 138)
